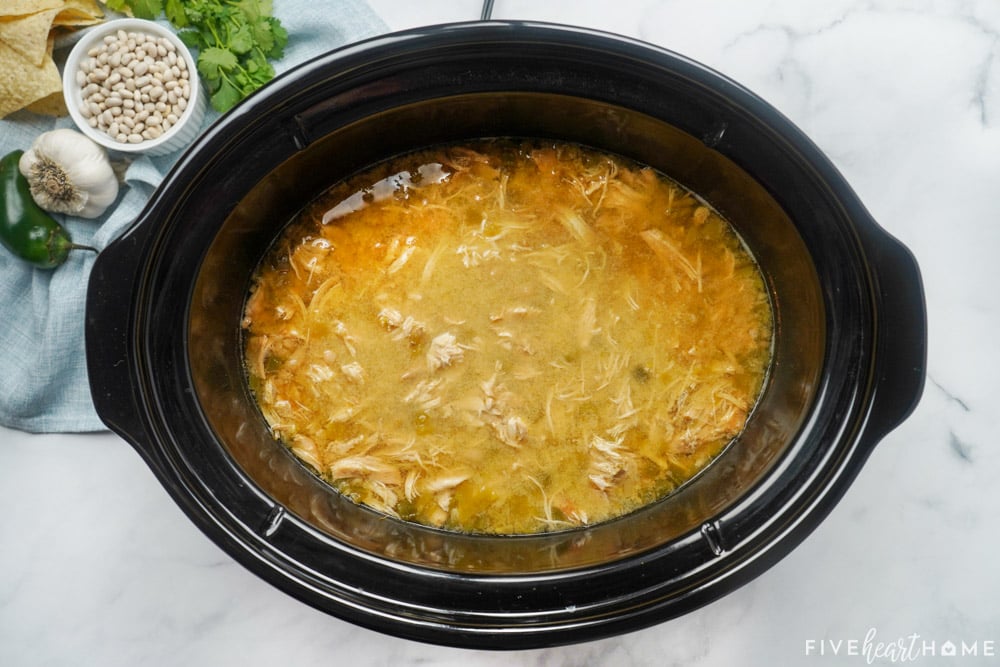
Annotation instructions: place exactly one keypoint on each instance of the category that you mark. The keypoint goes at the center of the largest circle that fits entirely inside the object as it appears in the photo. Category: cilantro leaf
(174, 10)
(241, 39)
(253, 9)
(191, 39)
(262, 35)
(213, 61)
(226, 97)
(193, 13)
(280, 38)
(146, 9)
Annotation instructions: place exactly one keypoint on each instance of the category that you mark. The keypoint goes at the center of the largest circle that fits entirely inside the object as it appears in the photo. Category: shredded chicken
(353, 372)
(444, 351)
(608, 462)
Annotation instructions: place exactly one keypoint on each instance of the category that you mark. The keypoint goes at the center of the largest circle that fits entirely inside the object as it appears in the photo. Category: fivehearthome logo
(872, 649)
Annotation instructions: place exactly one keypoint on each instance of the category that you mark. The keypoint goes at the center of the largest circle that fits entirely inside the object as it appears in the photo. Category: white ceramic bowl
(179, 135)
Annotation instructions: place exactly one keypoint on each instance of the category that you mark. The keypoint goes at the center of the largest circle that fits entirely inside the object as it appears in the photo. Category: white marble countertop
(99, 567)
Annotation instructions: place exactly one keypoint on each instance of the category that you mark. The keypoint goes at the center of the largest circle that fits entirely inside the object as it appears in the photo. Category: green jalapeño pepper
(25, 229)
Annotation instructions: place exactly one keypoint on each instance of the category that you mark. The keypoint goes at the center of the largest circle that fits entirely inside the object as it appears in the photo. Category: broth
(507, 336)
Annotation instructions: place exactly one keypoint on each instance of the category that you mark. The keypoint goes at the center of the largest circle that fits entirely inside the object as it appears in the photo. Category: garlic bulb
(69, 173)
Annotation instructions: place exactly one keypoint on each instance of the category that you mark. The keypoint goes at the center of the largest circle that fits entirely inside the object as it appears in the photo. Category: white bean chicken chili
(507, 337)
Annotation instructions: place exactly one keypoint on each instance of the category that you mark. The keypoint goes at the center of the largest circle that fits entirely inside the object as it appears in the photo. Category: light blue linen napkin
(43, 371)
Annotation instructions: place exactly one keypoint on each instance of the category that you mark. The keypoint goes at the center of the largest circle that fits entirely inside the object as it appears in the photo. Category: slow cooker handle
(109, 323)
(900, 337)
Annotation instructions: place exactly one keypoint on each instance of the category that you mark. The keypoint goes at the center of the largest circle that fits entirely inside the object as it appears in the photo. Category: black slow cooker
(165, 302)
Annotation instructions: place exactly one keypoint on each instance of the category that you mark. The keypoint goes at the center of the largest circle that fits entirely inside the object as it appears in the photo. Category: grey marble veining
(99, 567)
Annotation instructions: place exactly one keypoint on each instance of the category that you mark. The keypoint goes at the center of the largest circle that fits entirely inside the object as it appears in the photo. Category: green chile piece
(25, 229)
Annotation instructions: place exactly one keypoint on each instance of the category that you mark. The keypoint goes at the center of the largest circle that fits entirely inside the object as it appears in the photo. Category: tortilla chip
(91, 7)
(78, 13)
(75, 20)
(28, 35)
(29, 78)
(22, 7)
(51, 105)
(23, 82)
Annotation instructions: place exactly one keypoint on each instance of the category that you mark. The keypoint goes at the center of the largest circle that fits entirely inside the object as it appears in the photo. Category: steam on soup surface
(507, 336)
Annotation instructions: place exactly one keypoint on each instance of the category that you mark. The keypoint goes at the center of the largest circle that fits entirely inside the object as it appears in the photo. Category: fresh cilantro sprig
(236, 41)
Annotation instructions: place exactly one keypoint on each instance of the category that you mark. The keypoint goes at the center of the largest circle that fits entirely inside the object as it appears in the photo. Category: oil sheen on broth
(507, 336)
